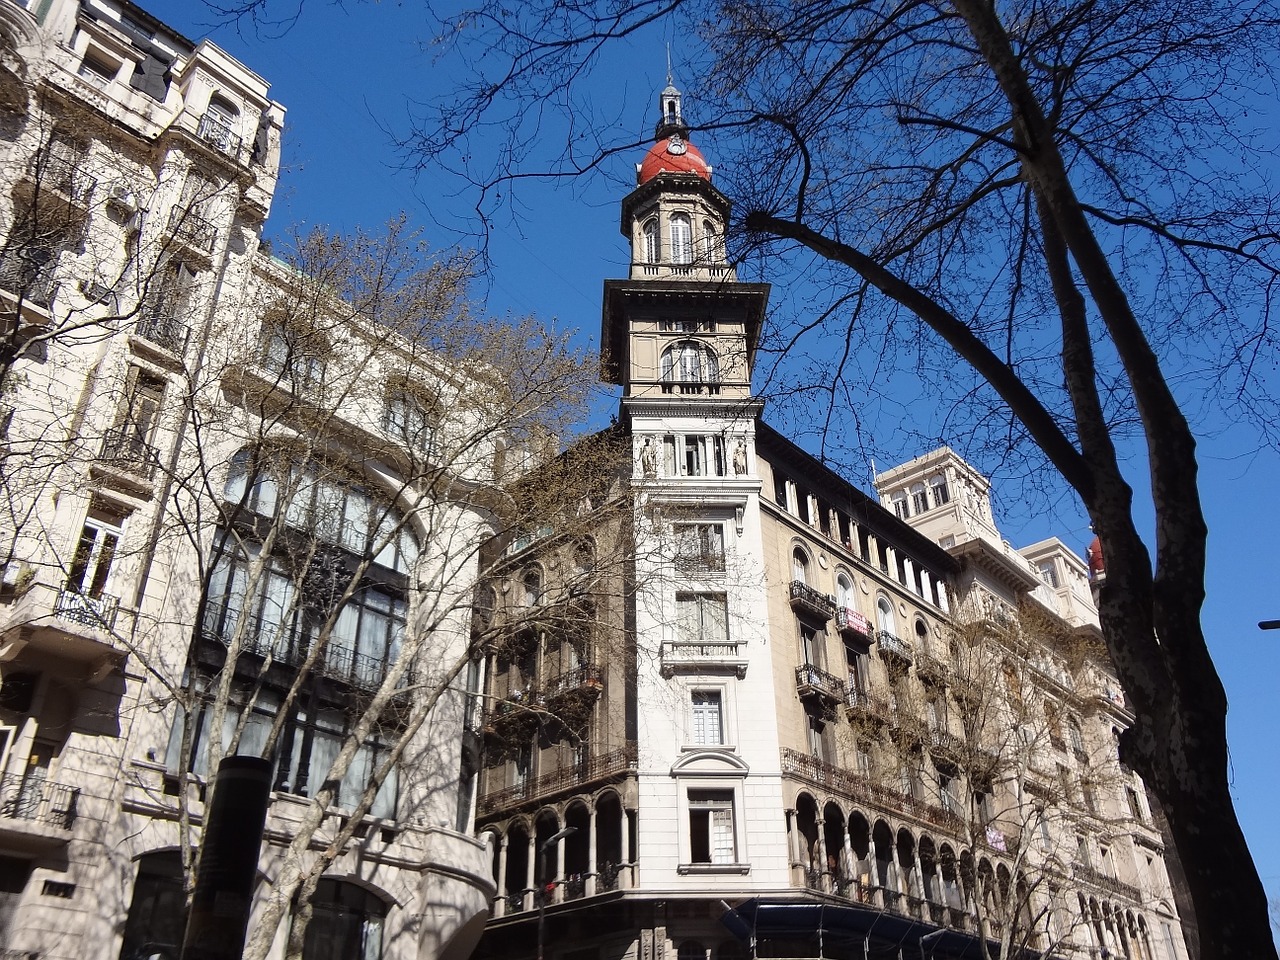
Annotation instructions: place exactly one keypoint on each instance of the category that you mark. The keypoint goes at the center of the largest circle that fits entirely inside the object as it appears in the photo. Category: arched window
(901, 506)
(884, 615)
(158, 911)
(799, 566)
(712, 243)
(531, 587)
(292, 355)
(844, 591)
(649, 236)
(681, 238)
(938, 486)
(346, 923)
(219, 123)
(1076, 734)
(690, 362)
(919, 500)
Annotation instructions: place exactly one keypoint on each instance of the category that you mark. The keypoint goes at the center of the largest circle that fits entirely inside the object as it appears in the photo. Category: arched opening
(799, 566)
(907, 880)
(807, 825)
(158, 911)
(577, 851)
(930, 888)
(882, 837)
(346, 922)
(517, 866)
(545, 827)
(948, 869)
(833, 839)
(608, 841)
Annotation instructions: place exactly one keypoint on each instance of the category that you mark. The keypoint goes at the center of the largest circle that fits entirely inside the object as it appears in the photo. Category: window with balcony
(711, 827)
(690, 367)
(708, 717)
(694, 455)
(699, 547)
(162, 317)
(29, 258)
(130, 443)
(1049, 573)
(702, 618)
(218, 126)
(885, 619)
(85, 598)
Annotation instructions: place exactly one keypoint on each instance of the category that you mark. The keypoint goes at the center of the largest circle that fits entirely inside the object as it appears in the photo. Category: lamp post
(930, 936)
(543, 847)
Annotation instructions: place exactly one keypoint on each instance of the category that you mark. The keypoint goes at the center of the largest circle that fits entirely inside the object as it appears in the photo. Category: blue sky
(345, 73)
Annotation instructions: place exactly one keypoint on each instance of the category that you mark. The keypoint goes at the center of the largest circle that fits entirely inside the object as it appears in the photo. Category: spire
(671, 122)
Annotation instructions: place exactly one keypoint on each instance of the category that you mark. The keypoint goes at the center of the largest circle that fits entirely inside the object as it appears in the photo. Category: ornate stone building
(813, 722)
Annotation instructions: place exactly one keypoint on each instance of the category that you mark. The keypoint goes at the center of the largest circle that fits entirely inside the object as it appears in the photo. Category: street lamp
(930, 936)
(1269, 624)
(543, 847)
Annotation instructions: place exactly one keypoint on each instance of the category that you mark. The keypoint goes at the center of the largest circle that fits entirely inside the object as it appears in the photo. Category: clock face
(676, 146)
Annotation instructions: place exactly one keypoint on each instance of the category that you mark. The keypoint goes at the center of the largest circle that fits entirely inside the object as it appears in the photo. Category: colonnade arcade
(597, 857)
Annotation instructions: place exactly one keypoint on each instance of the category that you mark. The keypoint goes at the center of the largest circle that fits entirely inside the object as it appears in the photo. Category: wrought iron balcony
(166, 331)
(864, 705)
(123, 449)
(809, 600)
(852, 624)
(192, 229)
(606, 766)
(98, 613)
(893, 647)
(946, 745)
(931, 668)
(62, 173)
(588, 678)
(813, 682)
(216, 131)
(27, 272)
(37, 800)
(1083, 871)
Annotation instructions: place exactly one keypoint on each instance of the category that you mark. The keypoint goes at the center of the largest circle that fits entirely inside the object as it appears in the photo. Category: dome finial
(671, 122)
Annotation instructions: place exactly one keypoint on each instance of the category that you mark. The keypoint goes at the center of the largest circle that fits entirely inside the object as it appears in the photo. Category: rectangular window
(780, 489)
(699, 546)
(708, 718)
(702, 617)
(1049, 573)
(941, 494)
(1135, 807)
(919, 502)
(711, 838)
(694, 455)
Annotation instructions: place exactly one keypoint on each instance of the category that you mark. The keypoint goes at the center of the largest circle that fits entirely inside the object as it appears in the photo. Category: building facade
(220, 512)
(815, 722)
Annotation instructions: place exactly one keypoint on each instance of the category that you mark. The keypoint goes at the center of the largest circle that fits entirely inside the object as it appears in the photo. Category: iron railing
(1089, 874)
(60, 172)
(38, 800)
(27, 272)
(812, 680)
(164, 330)
(587, 675)
(892, 646)
(216, 131)
(124, 449)
(98, 612)
(851, 621)
(807, 598)
(606, 765)
(192, 229)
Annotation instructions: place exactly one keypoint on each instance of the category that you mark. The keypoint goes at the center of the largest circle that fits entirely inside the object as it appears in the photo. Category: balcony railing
(216, 131)
(710, 654)
(192, 229)
(63, 174)
(266, 637)
(862, 703)
(123, 449)
(893, 646)
(1082, 871)
(98, 613)
(945, 744)
(39, 801)
(587, 677)
(857, 787)
(852, 622)
(813, 682)
(930, 668)
(607, 765)
(804, 597)
(164, 330)
(27, 272)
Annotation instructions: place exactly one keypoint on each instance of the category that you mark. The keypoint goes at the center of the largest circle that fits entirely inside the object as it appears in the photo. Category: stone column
(626, 871)
(592, 866)
(502, 876)
(531, 882)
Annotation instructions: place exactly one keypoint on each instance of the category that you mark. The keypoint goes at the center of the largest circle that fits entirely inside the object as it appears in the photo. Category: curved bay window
(330, 597)
(691, 367)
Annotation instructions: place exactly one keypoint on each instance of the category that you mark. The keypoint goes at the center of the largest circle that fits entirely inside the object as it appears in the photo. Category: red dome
(660, 159)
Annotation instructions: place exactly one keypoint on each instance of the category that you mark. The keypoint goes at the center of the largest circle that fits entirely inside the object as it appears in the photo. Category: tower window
(650, 240)
(692, 365)
(681, 239)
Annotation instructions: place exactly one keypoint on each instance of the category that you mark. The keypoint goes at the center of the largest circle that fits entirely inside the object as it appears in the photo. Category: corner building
(807, 721)
(154, 403)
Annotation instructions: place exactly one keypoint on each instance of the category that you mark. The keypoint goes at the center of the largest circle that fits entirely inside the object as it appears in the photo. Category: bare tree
(1036, 190)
